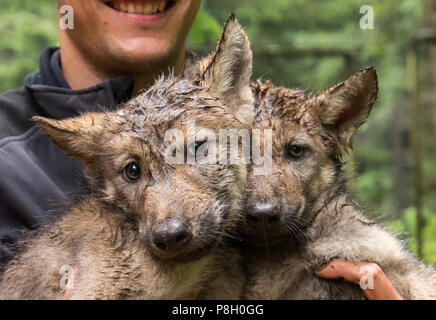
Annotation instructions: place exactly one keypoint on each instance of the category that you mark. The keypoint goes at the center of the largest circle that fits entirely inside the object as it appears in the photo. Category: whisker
(226, 235)
(266, 239)
(294, 229)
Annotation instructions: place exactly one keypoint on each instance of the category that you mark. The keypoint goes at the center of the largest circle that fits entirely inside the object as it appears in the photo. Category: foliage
(26, 28)
(406, 229)
(204, 29)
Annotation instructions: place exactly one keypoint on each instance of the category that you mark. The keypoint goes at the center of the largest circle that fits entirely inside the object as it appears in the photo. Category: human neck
(81, 73)
(144, 80)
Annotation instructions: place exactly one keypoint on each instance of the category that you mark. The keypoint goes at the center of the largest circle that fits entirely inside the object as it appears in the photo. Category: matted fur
(107, 235)
(318, 219)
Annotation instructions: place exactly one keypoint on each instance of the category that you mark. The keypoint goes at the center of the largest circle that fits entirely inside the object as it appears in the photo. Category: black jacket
(36, 177)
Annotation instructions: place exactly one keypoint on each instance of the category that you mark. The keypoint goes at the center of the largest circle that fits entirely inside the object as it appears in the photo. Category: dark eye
(132, 171)
(193, 148)
(295, 151)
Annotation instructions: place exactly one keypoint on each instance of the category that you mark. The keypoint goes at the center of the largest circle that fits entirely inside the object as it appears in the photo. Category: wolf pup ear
(346, 106)
(76, 136)
(227, 71)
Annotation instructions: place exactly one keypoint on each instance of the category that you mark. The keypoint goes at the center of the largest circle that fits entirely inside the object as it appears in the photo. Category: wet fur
(319, 220)
(331, 225)
(106, 236)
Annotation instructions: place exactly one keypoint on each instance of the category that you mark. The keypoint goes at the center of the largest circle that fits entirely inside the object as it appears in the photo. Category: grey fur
(107, 235)
(280, 263)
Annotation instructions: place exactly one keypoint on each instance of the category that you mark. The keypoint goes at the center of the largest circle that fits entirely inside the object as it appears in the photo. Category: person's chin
(147, 13)
(148, 53)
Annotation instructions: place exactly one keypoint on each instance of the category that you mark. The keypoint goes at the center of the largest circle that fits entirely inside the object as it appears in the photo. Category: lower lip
(141, 18)
(184, 257)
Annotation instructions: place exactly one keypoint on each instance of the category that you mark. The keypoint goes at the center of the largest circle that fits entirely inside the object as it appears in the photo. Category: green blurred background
(313, 44)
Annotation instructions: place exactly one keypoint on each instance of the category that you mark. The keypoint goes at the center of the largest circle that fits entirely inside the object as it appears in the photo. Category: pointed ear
(346, 106)
(78, 136)
(227, 71)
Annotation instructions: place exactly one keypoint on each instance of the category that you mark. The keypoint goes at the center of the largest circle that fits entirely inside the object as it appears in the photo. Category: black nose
(171, 235)
(262, 214)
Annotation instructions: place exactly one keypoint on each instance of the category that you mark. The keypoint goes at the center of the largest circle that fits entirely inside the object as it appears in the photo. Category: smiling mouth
(144, 7)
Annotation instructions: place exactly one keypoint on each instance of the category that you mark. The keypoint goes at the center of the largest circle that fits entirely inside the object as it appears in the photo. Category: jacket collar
(55, 99)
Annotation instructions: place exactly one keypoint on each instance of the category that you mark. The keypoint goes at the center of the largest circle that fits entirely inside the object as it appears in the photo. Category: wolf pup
(149, 229)
(299, 216)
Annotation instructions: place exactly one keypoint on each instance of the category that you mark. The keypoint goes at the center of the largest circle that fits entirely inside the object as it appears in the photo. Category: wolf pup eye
(193, 148)
(132, 171)
(294, 151)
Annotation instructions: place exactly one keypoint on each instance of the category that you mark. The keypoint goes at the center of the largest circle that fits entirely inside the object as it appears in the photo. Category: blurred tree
(205, 29)
(26, 28)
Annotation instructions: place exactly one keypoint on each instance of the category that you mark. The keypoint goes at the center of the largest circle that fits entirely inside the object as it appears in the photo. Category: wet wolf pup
(148, 229)
(299, 216)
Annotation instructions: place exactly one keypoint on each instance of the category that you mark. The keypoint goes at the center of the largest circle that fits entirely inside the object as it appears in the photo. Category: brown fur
(317, 219)
(107, 235)
(314, 220)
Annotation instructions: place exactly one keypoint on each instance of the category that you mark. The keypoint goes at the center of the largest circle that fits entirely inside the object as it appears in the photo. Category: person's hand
(351, 272)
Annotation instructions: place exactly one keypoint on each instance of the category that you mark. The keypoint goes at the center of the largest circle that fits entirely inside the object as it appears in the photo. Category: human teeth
(139, 8)
(148, 8)
(162, 6)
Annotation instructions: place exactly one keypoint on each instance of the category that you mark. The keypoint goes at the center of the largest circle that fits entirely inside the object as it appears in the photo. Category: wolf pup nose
(171, 236)
(269, 218)
(262, 215)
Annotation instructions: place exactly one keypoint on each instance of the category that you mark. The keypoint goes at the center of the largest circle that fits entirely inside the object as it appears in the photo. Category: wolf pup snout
(267, 215)
(171, 236)
(270, 207)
